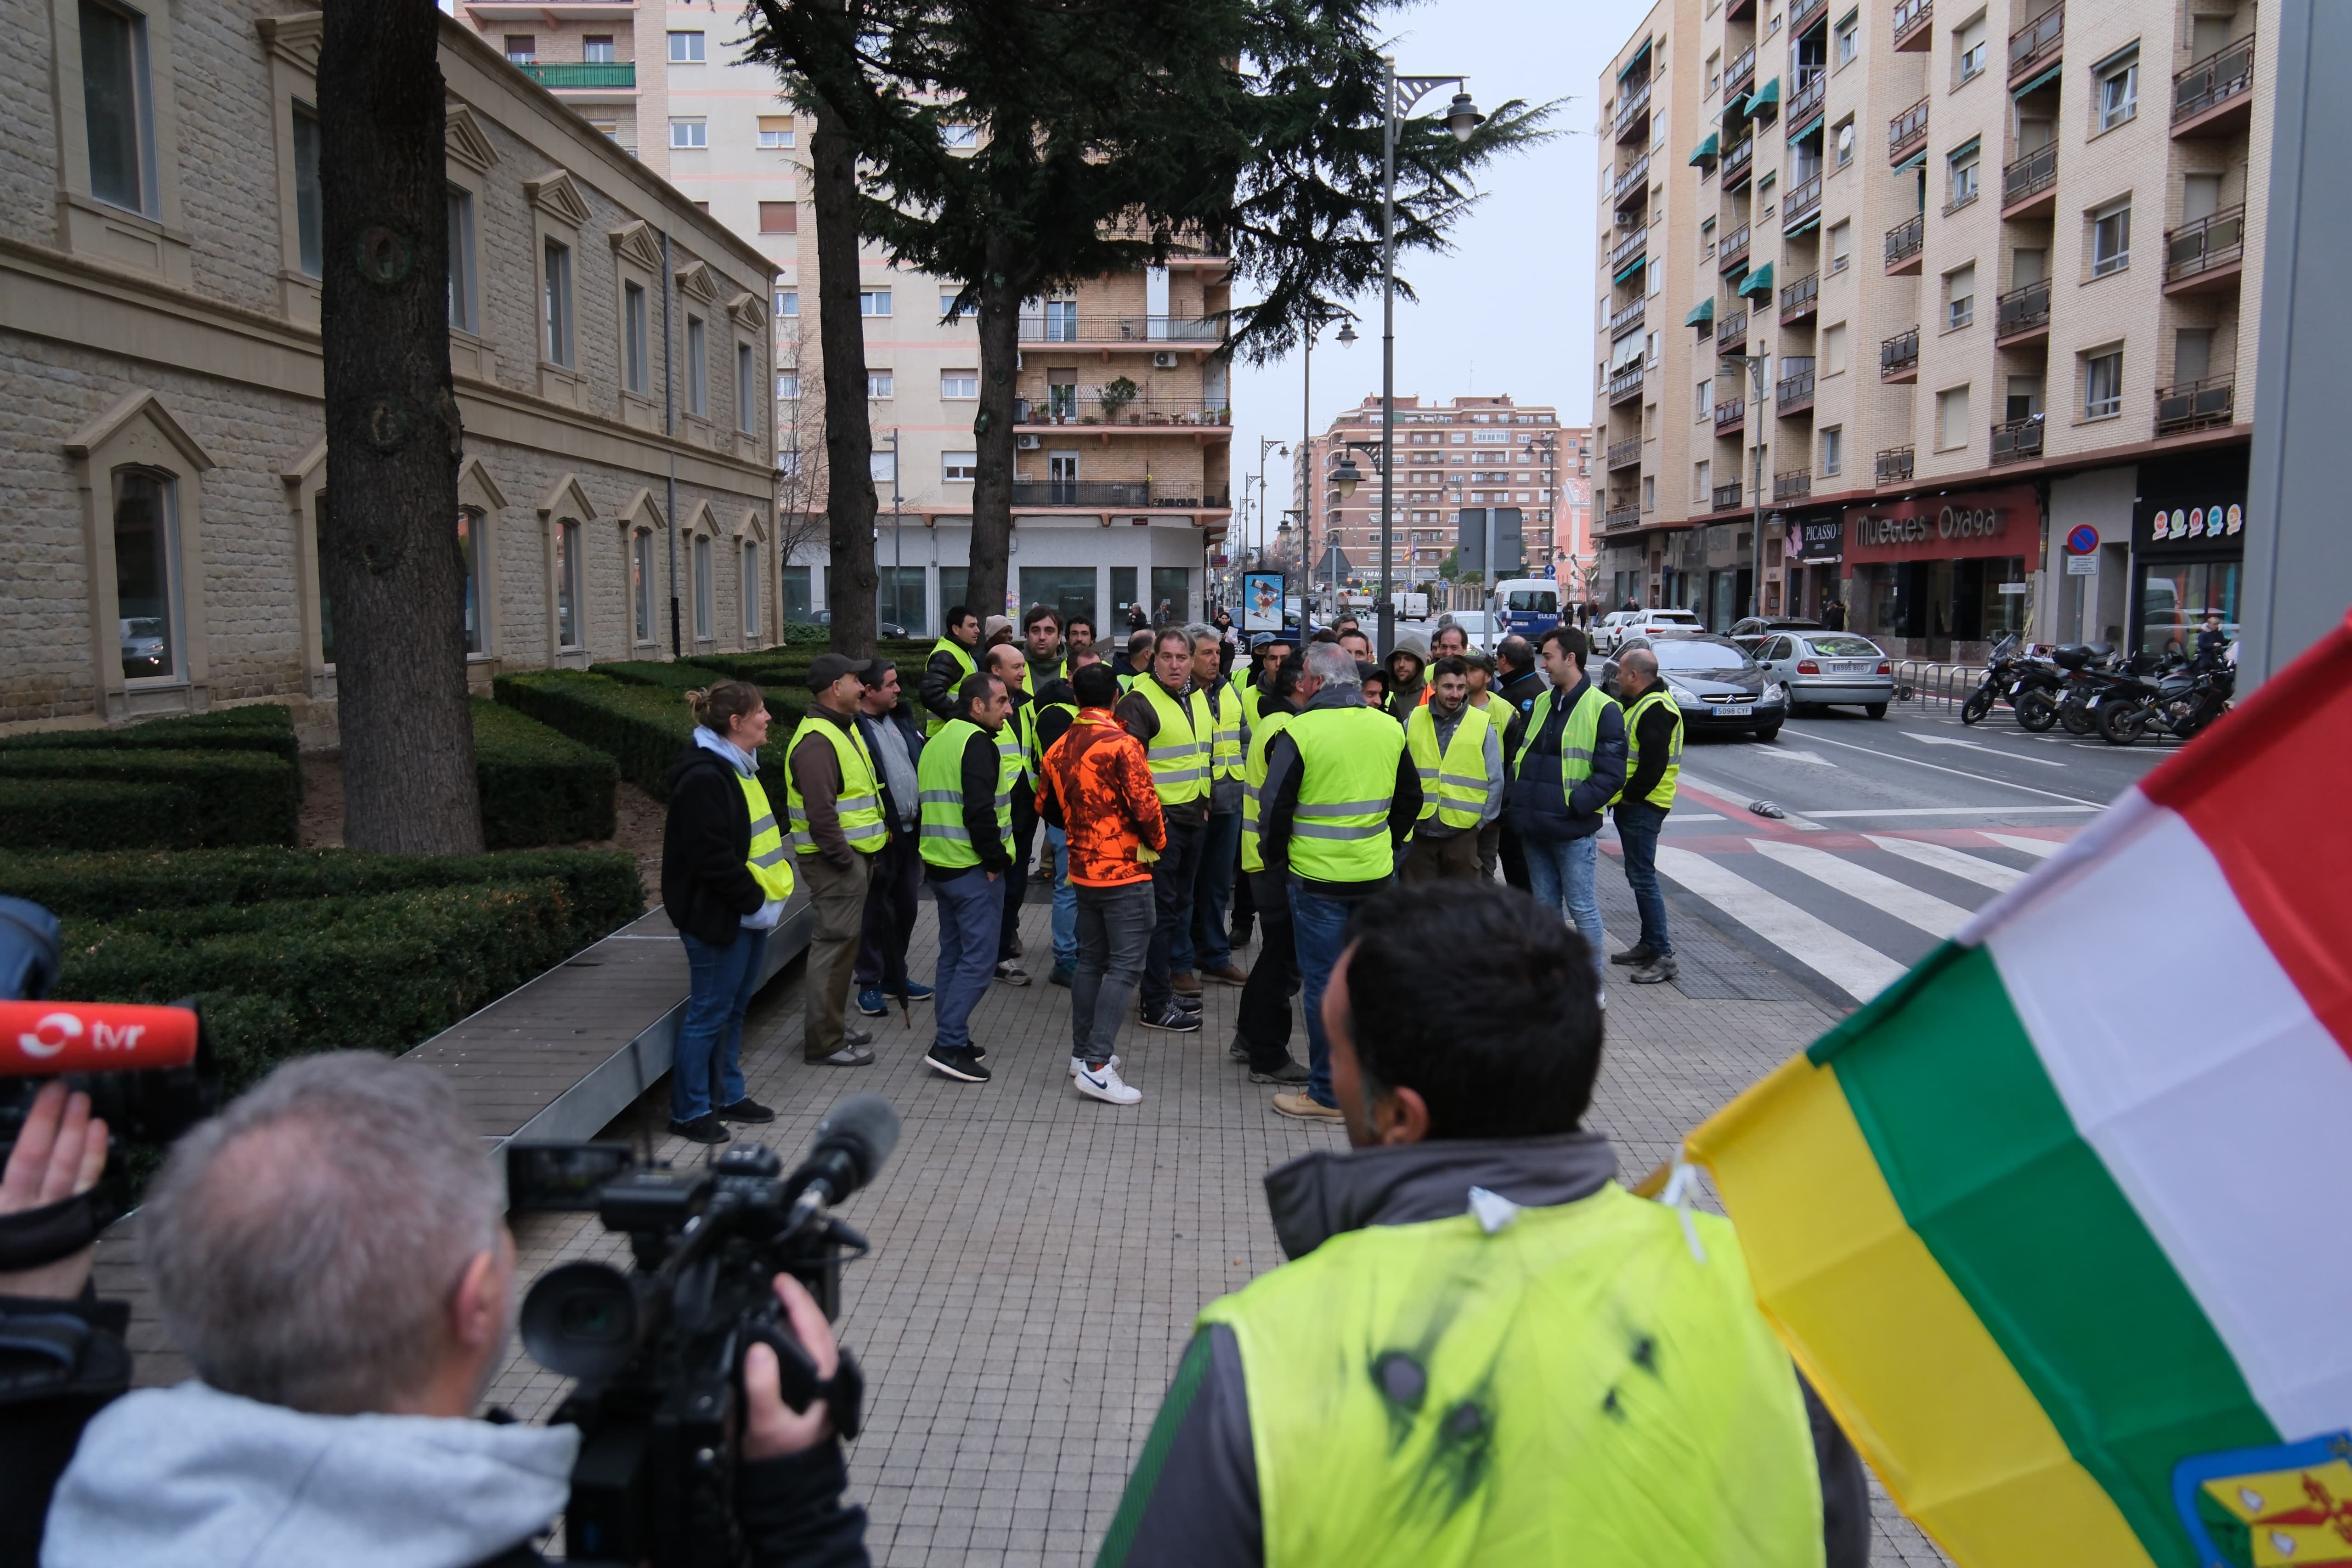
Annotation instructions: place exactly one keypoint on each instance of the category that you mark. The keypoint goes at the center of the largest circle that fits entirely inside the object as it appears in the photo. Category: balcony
(2016, 440)
(2196, 405)
(1632, 110)
(1625, 318)
(1801, 13)
(1904, 242)
(1895, 466)
(2036, 42)
(1626, 382)
(2029, 187)
(1725, 498)
(1732, 417)
(1631, 248)
(1733, 250)
(1739, 75)
(1898, 357)
(1912, 28)
(1625, 454)
(1731, 332)
(1803, 200)
(2023, 314)
(1795, 392)
(1105, 408)
(2215, 96)
(587, 75)
(1738, 160)
(1126, 331)
(2206, 257)
(1800, 298)
(1793, 487)
(1633, 181)
(1117, 495)
(1907, 132)
(1621, 517)
(1812, 91)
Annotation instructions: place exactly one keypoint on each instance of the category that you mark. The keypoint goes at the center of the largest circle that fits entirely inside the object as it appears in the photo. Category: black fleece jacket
(707, 884)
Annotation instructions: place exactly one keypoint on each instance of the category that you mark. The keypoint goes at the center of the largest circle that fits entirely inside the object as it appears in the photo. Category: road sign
(2082, 567)
(2082, 539)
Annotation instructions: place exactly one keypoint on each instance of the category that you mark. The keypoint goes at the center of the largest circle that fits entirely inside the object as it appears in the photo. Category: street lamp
(1462, 117)
(1755, 364)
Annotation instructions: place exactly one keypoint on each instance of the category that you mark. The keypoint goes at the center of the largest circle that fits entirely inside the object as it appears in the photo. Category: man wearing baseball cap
(834, 796)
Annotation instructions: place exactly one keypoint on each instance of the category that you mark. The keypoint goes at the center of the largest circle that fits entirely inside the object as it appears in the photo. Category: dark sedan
(1711, 678)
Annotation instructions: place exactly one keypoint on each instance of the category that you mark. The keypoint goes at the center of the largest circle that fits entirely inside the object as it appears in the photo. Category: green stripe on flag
(2023, 1217)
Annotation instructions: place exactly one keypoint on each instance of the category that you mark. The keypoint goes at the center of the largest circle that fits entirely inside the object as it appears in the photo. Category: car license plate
(1851, 665)
(1734, 710)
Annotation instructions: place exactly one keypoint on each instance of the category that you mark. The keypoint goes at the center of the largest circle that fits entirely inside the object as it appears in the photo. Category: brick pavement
(1039, 1257)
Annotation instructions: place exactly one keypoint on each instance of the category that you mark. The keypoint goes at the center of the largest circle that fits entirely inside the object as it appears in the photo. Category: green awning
(1764, 96)
(1630, 268)
(1758, 284)
(1813, 220)
(1702, 315)
(2045, 79)
(1810, 126)
(1913, 161)
(1639, 56)
(1706, 151)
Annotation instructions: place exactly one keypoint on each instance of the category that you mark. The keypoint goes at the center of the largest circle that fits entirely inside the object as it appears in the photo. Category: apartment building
(1989, 265)
(160, 363)
(1464, 452)
(1122, 489)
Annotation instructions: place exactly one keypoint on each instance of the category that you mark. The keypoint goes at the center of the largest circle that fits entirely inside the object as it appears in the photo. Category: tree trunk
(1001, 288)
(850, 579)
(390, 564)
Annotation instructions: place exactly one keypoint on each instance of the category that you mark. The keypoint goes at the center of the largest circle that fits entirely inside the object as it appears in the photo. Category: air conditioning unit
(1026, 443)
(1164, 360)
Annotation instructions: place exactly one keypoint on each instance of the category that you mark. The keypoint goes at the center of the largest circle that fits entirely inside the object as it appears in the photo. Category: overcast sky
(1511, 308)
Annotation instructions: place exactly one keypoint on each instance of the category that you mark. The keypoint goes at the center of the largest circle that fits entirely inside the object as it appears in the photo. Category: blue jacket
(1540, 808)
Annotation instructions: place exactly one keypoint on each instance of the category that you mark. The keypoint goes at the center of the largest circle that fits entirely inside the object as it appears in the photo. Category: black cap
(827, 667)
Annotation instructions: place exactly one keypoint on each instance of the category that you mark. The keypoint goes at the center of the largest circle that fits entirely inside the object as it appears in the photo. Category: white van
(1526, 607)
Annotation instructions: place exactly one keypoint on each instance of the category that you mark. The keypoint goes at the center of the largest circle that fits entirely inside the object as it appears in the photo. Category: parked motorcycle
(2179, 701)
(2094, 671)
(2027, 684)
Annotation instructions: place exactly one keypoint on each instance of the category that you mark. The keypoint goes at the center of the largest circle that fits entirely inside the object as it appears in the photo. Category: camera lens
(580, 1320)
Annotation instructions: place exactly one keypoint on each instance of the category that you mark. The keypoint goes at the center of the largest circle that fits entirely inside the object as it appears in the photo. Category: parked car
(1717, 686)
(1754, 632)
(1476, 625)
(143, 650)
(1623, 624)
(881, 628)
(1824, 668)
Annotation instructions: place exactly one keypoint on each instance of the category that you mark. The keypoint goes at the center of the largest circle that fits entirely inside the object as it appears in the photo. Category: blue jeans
(972, 912)
(1562, 872)
(1212, 895)
(1319, 934)
(706, 1069)
(1638, 823)
(1065, 901)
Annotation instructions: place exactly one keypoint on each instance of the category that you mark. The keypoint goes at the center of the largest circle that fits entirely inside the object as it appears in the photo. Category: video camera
(148, 1071)
(659, 1352)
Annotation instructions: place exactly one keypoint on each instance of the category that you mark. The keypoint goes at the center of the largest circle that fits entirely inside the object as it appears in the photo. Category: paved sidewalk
(1039, 1257)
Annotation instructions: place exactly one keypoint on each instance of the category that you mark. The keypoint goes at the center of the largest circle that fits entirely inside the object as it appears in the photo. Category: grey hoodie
(192, 1475)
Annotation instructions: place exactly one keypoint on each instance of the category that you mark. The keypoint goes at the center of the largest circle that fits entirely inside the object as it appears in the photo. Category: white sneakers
(1104, 1083)
(1078, 1064)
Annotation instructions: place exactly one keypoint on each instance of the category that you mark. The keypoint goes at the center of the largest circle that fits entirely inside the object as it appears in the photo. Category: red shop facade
(1944, 576)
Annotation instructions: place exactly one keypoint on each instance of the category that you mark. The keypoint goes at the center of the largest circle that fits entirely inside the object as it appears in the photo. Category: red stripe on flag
(2264, 790)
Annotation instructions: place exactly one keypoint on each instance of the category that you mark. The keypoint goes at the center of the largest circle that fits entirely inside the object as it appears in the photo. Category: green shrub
(231, 796)
(93, 813)
(806, 634)
(263, 727)
(537, 786)
(641, 728)
(659, 675)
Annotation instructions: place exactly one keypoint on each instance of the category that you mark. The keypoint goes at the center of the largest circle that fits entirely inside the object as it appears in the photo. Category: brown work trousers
(839, 896)
(1453, 858)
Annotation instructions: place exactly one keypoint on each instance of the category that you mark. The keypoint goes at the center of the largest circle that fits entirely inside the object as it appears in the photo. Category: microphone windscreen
(864, 1127)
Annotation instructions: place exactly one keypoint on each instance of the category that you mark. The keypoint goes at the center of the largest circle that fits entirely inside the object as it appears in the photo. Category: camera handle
(31, 1237)
(844, 1393)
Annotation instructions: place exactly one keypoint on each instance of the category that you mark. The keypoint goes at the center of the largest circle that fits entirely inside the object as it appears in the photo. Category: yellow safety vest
(1576, 738)
(1453, 786)
(1589, 1384)
(938, 781)
(770, 867)
(1254, 781)
(1249, 696)
(1013, 743)
(1348, 758)
(860, 802)
(1663, 794)
(1225, 736)
(933, 723)
(1179, 754)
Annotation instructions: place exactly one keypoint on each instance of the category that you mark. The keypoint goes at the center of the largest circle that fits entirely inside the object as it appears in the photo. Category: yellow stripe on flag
(1888, 1341)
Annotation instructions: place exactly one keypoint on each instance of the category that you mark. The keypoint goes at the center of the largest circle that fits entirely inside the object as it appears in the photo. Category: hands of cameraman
(772, 1428)
(59, 1154)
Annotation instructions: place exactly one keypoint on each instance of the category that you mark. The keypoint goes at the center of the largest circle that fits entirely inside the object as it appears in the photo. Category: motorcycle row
(2091, 686)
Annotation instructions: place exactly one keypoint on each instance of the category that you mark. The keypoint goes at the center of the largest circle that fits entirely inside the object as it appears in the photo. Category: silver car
(1822, 668)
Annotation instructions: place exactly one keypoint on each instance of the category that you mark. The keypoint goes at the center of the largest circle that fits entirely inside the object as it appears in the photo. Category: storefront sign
(2196, 522)
(1952, 522)
(1942, 528)
(2193, 508)
(1817, 541)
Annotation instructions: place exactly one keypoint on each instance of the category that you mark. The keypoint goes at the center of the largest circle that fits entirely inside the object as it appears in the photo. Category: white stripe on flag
(2190, 1061)
(1952, 862)
(1861, 970)
(1884, 893)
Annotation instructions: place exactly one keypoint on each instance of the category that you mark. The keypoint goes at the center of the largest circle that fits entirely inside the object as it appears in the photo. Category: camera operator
(333, 1255)
(61, 1353)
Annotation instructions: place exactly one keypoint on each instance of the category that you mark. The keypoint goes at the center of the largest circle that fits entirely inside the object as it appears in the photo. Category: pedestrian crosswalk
(1857, 910)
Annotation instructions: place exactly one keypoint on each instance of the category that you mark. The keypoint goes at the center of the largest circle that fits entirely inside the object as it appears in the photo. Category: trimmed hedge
(537, 786)
(94, 813)
(662, 676)
(263, 727)
(203, 798)
(641, 728)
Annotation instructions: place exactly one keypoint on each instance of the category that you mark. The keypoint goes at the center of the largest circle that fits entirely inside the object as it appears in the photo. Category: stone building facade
(160, 375)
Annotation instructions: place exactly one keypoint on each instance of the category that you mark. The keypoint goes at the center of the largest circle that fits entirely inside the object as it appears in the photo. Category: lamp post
(1755, 364)
(1265, 445)
(1462, 117)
